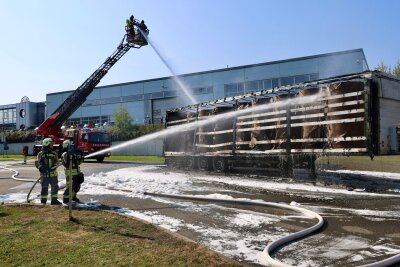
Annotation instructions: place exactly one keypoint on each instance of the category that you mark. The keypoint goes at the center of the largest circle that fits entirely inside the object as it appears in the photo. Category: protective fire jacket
(76, 161)
(49, 160)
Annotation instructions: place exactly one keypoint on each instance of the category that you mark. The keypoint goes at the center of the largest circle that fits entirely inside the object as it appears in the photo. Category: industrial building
(23, 115)
(148, 100)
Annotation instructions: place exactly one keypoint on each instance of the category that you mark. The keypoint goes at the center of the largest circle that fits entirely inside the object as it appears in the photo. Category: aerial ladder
(51, 127)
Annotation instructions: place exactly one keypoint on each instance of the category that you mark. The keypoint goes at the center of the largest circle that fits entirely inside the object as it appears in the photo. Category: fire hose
(16, 173)
(286, 239)
(14, 177)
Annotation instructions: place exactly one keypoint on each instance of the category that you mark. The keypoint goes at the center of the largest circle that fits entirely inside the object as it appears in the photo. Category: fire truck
(89, 140)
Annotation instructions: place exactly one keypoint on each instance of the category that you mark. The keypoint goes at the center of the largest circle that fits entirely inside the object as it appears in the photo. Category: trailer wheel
(190, 163)
(219, 165)
(203, 164)
(100, 159)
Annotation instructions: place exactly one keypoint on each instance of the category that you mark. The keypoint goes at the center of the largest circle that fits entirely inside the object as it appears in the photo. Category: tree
(396, 69)
(123, 127)
(122, 119)
(383, 67)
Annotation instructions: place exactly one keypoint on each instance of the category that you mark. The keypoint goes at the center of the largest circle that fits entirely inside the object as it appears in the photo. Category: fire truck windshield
(99, 138)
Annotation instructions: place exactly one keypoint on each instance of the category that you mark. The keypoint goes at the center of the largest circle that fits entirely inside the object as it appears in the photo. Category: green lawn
(363, 163)
(43, 236)
(14, 157)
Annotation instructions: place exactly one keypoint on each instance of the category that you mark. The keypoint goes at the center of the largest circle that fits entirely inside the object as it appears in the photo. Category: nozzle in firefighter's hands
(44, 169)
(79, 155)
(71, 150)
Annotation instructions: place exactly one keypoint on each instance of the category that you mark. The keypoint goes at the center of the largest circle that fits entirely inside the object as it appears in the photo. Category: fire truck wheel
(100, 159)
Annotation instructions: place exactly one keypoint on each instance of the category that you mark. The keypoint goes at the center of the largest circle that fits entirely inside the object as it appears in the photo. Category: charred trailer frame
(279, 130)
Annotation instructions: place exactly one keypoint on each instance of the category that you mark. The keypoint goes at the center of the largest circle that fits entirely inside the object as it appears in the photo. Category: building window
(14, 115)
(240, 88)
(314, 76)
(230, 89)
(105, 119)
(157, 95)
(267, 84)
(170, 93)
(22, 113)
(301, 78)
(287, 81)
(8, 116)
(234, 89)
(203, 90)
(73, 122)
(157, 112)
(253, 86)
(275, 83)
(111, 100)
(88, 120)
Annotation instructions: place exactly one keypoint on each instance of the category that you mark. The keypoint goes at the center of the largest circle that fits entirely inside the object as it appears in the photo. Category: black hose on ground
(286, 239)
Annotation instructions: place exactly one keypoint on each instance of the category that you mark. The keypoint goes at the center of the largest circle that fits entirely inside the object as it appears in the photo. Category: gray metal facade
(148, 100)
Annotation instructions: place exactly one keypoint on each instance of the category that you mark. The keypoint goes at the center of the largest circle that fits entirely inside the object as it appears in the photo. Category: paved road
(360, 228)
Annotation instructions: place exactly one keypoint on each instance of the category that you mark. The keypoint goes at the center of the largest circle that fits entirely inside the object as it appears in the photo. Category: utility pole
(70, 153)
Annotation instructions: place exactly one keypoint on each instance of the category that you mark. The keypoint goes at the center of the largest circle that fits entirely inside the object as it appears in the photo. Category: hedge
(135, 131)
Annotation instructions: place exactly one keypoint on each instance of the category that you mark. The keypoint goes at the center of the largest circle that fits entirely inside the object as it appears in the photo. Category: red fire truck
(90, 140)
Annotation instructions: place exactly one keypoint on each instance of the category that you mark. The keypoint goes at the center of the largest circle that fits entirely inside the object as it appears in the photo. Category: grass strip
(362, 163)
(43, 236)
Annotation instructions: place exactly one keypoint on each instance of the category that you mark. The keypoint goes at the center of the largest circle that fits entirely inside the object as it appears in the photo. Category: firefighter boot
(55, 202)
(75, 199)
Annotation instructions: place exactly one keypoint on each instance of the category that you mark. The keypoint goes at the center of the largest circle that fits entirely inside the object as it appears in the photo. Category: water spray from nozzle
(182, 86)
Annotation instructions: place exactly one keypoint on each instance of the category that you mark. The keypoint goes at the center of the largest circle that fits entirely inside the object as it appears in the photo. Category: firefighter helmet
(48, 141)
(66, 143)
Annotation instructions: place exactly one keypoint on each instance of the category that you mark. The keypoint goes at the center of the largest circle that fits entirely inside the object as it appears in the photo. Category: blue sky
(49, 46)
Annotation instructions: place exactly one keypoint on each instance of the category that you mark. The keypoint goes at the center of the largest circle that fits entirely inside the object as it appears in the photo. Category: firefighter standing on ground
(77, 175)
(47, 163)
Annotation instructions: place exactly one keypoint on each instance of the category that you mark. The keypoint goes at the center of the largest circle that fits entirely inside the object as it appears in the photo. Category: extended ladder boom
(52, 125)
(77, 98)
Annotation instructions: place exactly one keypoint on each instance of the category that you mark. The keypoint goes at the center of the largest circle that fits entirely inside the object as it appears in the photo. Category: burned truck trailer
(289, 127)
